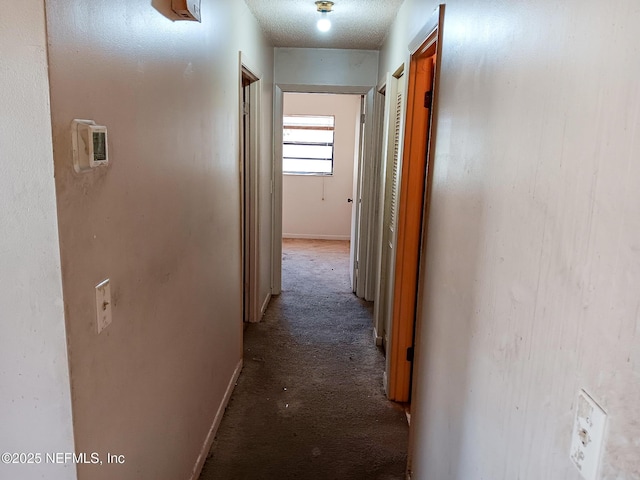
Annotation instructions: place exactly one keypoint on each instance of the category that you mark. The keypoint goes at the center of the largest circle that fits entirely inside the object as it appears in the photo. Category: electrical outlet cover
(103, 305)
(588, 436)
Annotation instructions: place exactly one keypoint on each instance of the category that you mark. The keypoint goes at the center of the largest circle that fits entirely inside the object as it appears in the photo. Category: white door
(354, 250)
(391, 207)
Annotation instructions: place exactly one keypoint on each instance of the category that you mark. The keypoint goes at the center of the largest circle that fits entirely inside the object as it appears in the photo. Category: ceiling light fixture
(324, 24)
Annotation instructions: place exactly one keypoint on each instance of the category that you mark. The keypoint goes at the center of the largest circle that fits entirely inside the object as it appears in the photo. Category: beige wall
(325, 67)
(162, 222)
(35, 400)
(533, 261)
(316, 206)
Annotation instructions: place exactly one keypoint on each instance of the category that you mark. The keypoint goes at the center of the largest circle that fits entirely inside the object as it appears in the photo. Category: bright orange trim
(410, 219)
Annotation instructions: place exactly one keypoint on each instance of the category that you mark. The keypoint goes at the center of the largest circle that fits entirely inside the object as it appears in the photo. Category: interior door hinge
(245, 108)
(410, 354)
(362, 116)
(428, 99)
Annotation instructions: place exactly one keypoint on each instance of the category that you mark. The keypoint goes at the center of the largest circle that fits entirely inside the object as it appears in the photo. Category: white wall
(162, 222)
(325, 67)
(316, 206)
(35, 404)
(533, 261)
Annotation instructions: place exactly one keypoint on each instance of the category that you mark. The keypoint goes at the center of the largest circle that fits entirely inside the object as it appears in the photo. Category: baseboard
(197, 469)
(265, 304)
(377, 337)
(313, 236)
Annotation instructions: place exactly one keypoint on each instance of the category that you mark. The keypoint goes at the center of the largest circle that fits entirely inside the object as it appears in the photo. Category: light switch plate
(103, 305)
(588, 436)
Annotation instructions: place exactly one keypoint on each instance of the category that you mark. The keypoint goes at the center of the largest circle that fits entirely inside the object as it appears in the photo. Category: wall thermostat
(89, 143)
(187, 9)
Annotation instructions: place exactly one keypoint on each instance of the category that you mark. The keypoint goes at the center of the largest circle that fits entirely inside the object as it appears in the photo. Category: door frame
(377, 192)
(417, 172)
(368, 190)
(249, 188)
(356, 205)
(279, 90)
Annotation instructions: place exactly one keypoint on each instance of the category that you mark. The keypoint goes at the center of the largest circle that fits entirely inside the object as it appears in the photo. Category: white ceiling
(357, 24)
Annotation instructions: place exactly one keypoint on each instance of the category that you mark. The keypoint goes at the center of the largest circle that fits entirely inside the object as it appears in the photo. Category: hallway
(309, 402)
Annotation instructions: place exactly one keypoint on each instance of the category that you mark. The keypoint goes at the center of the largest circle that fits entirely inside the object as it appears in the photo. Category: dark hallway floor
(309, 403)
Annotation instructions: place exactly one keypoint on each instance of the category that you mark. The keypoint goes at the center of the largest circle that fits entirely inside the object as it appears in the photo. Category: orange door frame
(412, 209)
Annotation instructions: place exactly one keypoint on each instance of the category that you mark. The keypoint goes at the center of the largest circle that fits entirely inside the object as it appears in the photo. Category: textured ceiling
(357, 24)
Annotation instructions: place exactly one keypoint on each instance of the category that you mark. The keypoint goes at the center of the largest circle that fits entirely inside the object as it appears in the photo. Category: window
(307, 147)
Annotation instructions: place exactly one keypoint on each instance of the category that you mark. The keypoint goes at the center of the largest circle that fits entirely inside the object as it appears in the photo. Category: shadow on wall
(448, 306)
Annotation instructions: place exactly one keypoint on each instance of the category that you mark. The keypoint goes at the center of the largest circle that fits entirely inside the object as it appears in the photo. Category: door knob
(349, 200)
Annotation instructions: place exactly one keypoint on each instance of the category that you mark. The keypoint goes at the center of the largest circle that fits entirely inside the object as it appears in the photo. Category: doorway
(363, 199)
(249, 148)
(320, 159)
(332, 206)
(412, 213)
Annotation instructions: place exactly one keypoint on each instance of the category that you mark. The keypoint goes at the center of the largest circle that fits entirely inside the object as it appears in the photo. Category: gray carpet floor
(309, 403)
